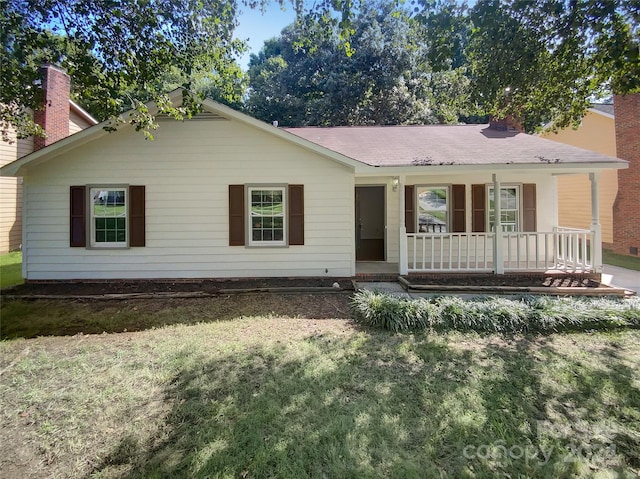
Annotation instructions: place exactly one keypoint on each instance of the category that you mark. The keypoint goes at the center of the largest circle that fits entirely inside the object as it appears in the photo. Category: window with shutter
(266, 215)
(115, 217)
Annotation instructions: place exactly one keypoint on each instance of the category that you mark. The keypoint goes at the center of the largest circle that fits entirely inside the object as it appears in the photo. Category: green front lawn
(290, 396)
(10, 269)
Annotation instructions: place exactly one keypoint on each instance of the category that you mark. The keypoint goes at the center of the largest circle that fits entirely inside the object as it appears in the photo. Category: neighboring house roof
(603, 108)
(367, 149)
(439, 145)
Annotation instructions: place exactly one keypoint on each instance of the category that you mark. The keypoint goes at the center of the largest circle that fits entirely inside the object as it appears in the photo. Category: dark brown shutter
(410, 208)
(78, 222)
(236, 215)
(136, 215)
(529, 222)
(296, 214)
(458, 220)
(478, 206)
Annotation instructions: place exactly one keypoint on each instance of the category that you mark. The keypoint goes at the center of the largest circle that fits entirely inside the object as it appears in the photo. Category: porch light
(395, 181)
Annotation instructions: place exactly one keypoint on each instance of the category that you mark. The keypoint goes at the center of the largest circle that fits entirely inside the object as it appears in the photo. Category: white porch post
(402, 230)
(596, 228)
(498, 251)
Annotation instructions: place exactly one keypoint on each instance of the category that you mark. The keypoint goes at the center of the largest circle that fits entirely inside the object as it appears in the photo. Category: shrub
(539, 314)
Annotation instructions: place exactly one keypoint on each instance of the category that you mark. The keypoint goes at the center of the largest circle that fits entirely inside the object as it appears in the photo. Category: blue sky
(256, 27)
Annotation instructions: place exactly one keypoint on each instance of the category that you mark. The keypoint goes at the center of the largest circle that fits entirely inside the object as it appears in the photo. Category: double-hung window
(108, 210)
(267, 213)
(433, 209)
(509, 208)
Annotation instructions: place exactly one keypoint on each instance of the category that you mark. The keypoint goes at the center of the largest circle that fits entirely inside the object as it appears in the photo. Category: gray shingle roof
(444, 145)
(603, 107)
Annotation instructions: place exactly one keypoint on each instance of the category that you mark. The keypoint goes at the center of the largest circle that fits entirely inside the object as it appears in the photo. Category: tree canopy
(120, 53)
(341, 62)
(386, 78)
(545, 60)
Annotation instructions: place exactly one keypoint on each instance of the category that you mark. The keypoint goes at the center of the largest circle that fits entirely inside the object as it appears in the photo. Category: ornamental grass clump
(535, 314)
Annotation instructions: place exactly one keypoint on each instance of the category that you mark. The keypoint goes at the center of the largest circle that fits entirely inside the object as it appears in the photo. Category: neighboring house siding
(11, 195)
(187, 171)
(596, 133)
(77, 123)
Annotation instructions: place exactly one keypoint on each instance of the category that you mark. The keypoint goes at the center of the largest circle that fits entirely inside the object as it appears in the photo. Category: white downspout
(403, 260)
(498, 251)
(596, 228)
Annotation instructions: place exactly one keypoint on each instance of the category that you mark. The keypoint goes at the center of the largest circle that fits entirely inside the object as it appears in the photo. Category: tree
(305, 77)
(542, 61)
(118, 52)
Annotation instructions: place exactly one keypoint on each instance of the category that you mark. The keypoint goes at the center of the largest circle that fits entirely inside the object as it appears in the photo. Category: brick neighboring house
(60, 118)
(626, 209)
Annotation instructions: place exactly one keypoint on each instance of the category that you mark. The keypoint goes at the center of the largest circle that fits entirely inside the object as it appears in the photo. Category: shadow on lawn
(378, 406)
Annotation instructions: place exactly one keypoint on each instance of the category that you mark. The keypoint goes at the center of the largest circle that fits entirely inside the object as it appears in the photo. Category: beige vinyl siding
(545, 192)
(11, 195)
(596, 133)
(186, 171)
(10, 214)
(76, 122)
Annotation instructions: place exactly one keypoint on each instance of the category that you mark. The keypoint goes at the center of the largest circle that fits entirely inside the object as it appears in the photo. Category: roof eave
(553, 168)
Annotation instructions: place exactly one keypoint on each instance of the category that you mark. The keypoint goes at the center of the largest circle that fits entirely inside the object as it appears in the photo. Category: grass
(622, 261)
(10, 269)
(271, 396)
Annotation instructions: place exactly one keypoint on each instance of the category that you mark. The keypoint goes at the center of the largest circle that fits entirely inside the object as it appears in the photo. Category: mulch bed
(208, 286)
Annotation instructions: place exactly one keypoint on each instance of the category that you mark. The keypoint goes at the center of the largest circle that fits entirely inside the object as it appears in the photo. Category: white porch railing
(450, 252)
(564, 249)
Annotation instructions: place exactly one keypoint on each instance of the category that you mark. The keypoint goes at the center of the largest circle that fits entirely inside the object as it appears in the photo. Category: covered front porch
(545, 248)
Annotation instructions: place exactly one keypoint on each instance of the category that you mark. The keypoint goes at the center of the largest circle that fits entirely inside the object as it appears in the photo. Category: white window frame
(447, 188)
(96, 190)
(283, 215)
(518, 225)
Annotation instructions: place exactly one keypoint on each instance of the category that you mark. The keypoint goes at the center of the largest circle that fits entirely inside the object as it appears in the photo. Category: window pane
(267, 212)
(432, 209)
(109, 215)
(509, 209)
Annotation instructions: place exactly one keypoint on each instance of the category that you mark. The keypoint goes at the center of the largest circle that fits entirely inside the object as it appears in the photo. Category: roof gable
(211, 109)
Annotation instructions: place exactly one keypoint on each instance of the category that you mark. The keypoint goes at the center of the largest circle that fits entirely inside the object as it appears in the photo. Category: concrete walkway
(621, 277)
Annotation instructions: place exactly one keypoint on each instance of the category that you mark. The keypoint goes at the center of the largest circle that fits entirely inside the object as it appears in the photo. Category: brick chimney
(54, 116)
(626, 209)
(509, 123)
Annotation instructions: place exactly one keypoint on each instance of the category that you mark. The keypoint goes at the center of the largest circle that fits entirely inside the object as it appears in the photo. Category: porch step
(377, 277)
(600, 290)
